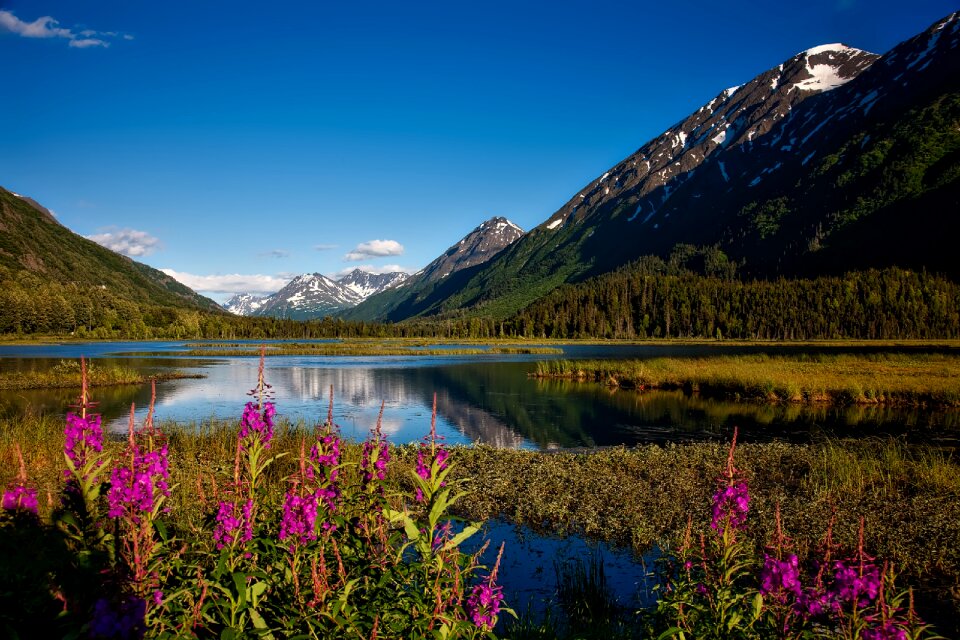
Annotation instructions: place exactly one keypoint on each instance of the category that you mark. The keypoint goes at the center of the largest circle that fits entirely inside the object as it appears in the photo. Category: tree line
(649, 299)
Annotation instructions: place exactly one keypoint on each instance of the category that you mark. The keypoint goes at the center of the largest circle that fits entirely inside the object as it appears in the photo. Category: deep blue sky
(239, 137)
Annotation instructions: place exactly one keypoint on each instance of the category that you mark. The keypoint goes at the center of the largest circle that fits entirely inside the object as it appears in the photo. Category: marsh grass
(66, 375)
(908, 496)
(364, 348)
(896, 378)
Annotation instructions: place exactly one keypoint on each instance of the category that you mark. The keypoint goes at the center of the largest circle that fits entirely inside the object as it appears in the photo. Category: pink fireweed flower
(887, 630)
(730, 504)
(483, 605)
(814, 602)
(135, 488)
(324, 469)
(780, 577)
(20, 498)
(232, 526)
(425, 463)
(373, 463)
(299, 519)
(256, 425)
(856, 585)
(81, 436)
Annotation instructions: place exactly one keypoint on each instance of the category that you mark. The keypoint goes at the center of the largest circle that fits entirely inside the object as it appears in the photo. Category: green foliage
(637, 303)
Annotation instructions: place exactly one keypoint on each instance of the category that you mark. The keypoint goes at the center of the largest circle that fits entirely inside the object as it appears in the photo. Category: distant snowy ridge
(314, 295)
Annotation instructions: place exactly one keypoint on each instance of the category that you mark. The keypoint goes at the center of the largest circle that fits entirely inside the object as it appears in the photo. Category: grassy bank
(914, 379)
(908, 497)
(66, 375)
(361, 348)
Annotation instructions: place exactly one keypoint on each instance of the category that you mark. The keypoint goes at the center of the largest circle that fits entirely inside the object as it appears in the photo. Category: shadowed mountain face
(786, 174)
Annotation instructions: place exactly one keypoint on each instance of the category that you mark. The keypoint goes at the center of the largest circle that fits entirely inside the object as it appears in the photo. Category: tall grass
(66, 375)
(914, 379)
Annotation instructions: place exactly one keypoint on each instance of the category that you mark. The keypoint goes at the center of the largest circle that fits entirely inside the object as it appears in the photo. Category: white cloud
(374, 249)
(129, 242)
(274, 253)
(88, 42)
(49, 27)
(369, 268)
(229, 283)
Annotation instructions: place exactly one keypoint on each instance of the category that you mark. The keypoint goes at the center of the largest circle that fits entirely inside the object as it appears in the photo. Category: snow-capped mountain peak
(314, 295)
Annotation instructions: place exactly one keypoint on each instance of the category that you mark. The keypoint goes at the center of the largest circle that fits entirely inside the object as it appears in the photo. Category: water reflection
(479, 399)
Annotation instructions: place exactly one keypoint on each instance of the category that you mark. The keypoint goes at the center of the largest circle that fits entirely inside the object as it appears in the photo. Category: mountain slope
(443, 277)
(32, 241)
(780, 173)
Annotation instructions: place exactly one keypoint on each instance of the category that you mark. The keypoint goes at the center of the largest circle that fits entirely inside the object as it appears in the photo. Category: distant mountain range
(313, 295)
(836, 159)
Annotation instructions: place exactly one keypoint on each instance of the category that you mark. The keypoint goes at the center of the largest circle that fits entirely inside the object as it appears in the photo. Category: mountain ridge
(714, 178)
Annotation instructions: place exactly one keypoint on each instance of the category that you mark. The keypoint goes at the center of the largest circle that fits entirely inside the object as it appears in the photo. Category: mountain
(834, 160)
(37, 251)
(365, 284)
(244, 304)
(313, 295)
(443, 275)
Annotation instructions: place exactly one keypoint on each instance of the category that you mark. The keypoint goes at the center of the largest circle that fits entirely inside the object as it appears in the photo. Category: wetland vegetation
(888, 378)
(66, 375)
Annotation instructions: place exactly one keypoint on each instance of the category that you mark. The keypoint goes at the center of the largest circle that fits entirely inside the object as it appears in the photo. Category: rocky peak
(365, 284)
(735, 117)
(478, 246)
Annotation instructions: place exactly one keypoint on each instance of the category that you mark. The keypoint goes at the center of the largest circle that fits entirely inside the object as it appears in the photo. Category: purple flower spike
(857, 586)
(888, 630)
(299, 519)
(81, 435)
(730, 503)
(136, 488)
(20, 498)
(256, 426)
(232, 526)
(483, 605)
(780, 577)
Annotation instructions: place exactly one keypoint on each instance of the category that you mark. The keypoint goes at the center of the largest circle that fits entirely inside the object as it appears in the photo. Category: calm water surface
(485, 398)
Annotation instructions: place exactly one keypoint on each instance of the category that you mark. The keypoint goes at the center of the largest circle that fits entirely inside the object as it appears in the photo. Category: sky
(237, 144)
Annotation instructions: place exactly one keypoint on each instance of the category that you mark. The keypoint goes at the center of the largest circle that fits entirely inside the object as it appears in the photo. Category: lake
(486, 398)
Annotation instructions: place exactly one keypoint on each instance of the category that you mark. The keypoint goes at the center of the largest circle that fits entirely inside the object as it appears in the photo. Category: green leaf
(456, 540)
(257, 619)
(240, 582)
(757, 605)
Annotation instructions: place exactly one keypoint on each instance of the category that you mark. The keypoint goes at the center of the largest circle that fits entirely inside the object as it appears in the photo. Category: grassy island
(910, 379)
(66, 375)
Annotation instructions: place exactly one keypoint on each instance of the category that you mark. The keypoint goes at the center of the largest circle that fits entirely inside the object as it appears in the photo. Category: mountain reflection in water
(481, 399)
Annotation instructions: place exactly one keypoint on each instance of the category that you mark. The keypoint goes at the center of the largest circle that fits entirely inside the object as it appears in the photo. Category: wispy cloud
(274, 253)
(49, 27)
(229, 283)
(374, 249)
(325, 247)
(129, 242)
(369, 268)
